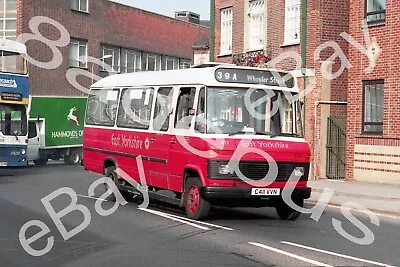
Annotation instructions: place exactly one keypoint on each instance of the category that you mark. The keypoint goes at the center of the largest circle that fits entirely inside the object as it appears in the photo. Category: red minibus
(218, 135)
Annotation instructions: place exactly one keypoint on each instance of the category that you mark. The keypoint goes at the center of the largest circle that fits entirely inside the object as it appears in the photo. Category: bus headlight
(223, 169)
(23, 151)
(299, 171)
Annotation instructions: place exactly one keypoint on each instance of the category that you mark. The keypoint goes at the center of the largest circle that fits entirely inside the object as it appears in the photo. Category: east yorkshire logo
(8, 83)
(74, 118)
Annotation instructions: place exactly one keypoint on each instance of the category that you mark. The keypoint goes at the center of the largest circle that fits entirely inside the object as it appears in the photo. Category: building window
(292, 21)
(77, 53)
(373, 107)
(173, 63)
(375, 11)
(184, 64)
(226, 31)
(79, 5)
(8, 19)
(256, 16)
(151, 62)
(114, 60)
(124, 60)
(169, 63)
(130, 61)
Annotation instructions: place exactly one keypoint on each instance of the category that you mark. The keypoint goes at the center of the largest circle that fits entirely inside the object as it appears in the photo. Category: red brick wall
(106, 22)
(388, 36)
(326, 21)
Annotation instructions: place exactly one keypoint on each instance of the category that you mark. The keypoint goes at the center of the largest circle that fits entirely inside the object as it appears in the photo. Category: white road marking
(336, 254)
(317, 263)
(171, 215)
(174, 219)
(376, 213)
(209, 224)
(92, 198)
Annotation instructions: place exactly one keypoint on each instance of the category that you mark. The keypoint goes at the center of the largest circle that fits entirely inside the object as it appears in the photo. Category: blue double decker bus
(14, 101)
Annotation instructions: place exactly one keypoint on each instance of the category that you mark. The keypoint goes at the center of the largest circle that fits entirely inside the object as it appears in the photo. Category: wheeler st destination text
(271, 78)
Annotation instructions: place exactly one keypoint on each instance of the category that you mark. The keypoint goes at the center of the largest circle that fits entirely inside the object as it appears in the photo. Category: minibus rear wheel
(112, 174)
(196, 207)
(285, 212)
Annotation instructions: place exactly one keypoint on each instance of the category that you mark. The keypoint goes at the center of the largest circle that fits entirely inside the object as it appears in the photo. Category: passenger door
(33, 141)
(179, 156)
(159, 138)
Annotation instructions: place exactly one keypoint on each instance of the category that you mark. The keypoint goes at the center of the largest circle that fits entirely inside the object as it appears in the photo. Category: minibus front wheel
(197, 208)
(285, 212)
(112, 174)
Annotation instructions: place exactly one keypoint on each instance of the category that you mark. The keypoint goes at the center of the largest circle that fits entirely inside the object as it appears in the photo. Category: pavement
(382, 198)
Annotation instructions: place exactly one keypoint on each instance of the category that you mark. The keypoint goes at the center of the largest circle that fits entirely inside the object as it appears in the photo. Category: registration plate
(3, 164)
(265, 191)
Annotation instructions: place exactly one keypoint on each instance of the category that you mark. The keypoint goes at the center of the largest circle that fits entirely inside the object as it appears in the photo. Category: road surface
(160, 235)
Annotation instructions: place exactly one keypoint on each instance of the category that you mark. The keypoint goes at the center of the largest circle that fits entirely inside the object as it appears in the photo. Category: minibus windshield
(251, 111)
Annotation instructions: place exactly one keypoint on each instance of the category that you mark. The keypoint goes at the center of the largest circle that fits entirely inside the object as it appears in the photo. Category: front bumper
(11, 156)
(243, 193)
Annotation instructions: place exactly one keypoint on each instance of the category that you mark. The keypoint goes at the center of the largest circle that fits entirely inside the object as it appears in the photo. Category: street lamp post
(212, 30)
(103, 57)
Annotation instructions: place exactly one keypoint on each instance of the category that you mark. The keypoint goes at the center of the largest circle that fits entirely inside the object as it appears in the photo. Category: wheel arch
(191, 171)
(109, 162)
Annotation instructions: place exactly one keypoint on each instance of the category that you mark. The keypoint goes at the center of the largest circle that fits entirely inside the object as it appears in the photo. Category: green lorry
(55, 129)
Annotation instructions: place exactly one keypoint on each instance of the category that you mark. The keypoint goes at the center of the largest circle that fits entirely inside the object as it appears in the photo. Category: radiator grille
(257, 170)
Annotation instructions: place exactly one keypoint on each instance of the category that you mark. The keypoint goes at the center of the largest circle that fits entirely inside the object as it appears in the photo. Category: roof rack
(211, 64)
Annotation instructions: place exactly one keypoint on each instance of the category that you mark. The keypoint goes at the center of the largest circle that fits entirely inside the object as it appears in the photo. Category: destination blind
(271, 78)
(11, 96)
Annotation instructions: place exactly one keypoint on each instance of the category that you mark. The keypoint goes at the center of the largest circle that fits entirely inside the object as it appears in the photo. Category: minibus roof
(238, 77)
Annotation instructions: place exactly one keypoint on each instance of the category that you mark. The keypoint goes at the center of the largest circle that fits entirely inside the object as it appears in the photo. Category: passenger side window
(32, 130)
(162, 109)
(102, 107)
(135, 108)
(184, 110)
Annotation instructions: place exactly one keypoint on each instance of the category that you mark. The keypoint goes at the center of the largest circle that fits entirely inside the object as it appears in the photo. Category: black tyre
(285, 212)
(111, 173)
(74, 157)
(196, 207)
(41, 161)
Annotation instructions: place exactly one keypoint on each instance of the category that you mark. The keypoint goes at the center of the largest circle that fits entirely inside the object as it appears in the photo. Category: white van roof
(191, 76)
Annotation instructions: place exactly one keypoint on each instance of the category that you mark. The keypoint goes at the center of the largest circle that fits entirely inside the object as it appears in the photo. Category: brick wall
(107, 22)
(388, 36)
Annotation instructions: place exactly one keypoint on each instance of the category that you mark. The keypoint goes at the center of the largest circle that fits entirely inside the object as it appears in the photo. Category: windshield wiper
(15, 133)
(271, 134)
(284, 134)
